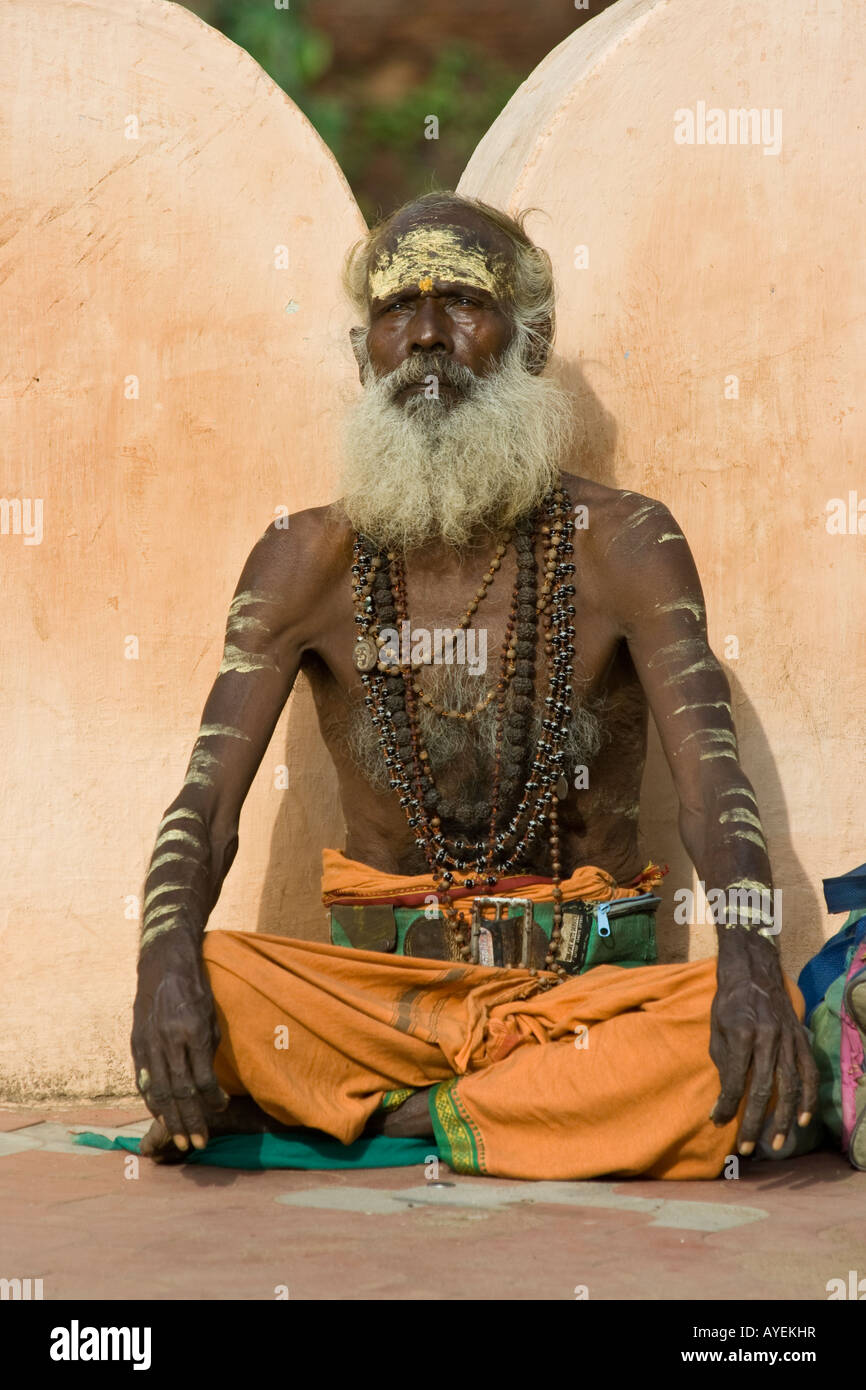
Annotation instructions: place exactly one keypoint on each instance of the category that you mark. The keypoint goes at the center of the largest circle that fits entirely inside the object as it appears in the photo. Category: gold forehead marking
(425, 253)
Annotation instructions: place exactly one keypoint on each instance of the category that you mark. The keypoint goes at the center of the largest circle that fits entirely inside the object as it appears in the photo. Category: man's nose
(430, 330)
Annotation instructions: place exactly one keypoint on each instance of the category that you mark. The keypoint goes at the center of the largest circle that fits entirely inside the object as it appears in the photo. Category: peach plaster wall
(150, 253)
(151, 171)
(680, 268)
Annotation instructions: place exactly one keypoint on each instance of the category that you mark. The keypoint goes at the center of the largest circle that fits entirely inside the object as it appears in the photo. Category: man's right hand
(175, 1037)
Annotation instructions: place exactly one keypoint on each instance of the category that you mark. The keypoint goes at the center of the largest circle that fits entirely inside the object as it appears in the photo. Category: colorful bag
(834, 987)
(853, 1069)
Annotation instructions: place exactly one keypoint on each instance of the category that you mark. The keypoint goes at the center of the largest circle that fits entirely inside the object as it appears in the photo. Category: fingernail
(778, 1142)
(181, 1142)
(746, 1147)
(805, 1119)
(198, 1140)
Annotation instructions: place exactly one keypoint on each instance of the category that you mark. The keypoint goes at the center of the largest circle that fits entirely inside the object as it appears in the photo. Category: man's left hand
(754, 1026)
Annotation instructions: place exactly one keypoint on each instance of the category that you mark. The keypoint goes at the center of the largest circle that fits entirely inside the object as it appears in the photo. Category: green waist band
(619, 932)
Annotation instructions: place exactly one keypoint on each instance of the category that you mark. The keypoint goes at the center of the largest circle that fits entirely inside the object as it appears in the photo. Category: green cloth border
(458, 1138)
(391, 1100)
(302, 1149)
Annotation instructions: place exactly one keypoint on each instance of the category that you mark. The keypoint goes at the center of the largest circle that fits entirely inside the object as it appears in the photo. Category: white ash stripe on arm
(714, 735)
(741, 814)
(182, 813)
(740, 791)
(707, 664)
(755, 836)
(241, 625)
(151, 933)
(681, 650)
(685, 605)
(202, 765)
(222, 731)
(158, 862)
(156, 914)
(245, 663)
(703, 704)
(250, 597)
(162, 888)
(184, 837)
(744, 910)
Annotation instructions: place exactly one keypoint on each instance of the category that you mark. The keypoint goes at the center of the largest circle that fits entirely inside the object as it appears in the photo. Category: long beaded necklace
(473, 815)
(398, 579)
(378, 591)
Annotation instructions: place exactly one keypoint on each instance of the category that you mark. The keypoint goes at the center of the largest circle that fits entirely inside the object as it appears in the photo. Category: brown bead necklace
(398, 582)
(379, 593)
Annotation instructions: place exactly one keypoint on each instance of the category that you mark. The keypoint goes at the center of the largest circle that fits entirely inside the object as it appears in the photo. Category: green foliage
(380, 145)
(289, 49)
(286, 47)
(465, 91)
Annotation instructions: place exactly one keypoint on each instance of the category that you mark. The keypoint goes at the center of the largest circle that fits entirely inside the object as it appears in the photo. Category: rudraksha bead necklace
(473, 816)
(378, 588)
(398, 583)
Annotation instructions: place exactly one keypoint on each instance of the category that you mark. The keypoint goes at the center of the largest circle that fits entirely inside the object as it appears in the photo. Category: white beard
(435, 470)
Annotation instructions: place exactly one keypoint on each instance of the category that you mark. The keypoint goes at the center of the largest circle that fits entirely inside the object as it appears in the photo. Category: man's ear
(358, 339)
(538, 348)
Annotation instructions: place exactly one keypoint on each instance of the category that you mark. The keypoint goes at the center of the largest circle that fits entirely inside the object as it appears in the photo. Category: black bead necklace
(393, 709)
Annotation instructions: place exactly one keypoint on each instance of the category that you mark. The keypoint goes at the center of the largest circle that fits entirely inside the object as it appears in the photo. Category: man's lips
(417, 386)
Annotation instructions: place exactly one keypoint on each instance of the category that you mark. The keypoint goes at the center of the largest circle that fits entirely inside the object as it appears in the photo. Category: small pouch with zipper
(620, 931)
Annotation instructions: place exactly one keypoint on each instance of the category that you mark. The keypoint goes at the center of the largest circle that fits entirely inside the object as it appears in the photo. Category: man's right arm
(175, 1033)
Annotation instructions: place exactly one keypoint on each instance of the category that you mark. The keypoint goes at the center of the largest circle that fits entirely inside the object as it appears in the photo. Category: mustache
(416, 369)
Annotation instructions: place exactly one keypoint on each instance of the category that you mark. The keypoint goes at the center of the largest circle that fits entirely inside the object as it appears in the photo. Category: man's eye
(397, 305)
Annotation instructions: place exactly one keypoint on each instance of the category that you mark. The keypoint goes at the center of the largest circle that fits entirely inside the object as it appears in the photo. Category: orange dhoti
(608, 1073)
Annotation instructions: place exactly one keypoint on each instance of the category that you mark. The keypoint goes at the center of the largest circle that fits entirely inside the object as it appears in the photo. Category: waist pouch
(620, 931)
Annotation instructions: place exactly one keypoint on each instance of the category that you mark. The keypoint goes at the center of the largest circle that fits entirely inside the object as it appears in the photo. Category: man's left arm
(753, 1026)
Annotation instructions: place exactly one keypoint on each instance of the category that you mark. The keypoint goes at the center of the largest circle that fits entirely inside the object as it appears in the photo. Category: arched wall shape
(712, 322)
(171, 247)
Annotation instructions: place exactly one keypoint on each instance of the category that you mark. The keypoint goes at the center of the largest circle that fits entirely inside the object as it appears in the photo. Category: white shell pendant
(366, 654)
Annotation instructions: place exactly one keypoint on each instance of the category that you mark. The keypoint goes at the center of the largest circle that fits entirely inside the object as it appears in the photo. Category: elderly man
(459, 535)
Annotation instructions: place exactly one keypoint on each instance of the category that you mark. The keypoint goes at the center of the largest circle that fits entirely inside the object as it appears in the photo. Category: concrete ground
(94, 1224)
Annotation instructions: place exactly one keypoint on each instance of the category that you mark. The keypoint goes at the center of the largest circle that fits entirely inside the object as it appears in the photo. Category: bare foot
(159, 1145)
(411, 1120)
(241, 1116)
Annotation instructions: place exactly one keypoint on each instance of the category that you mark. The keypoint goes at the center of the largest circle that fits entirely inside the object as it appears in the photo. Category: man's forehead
(416, 255)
